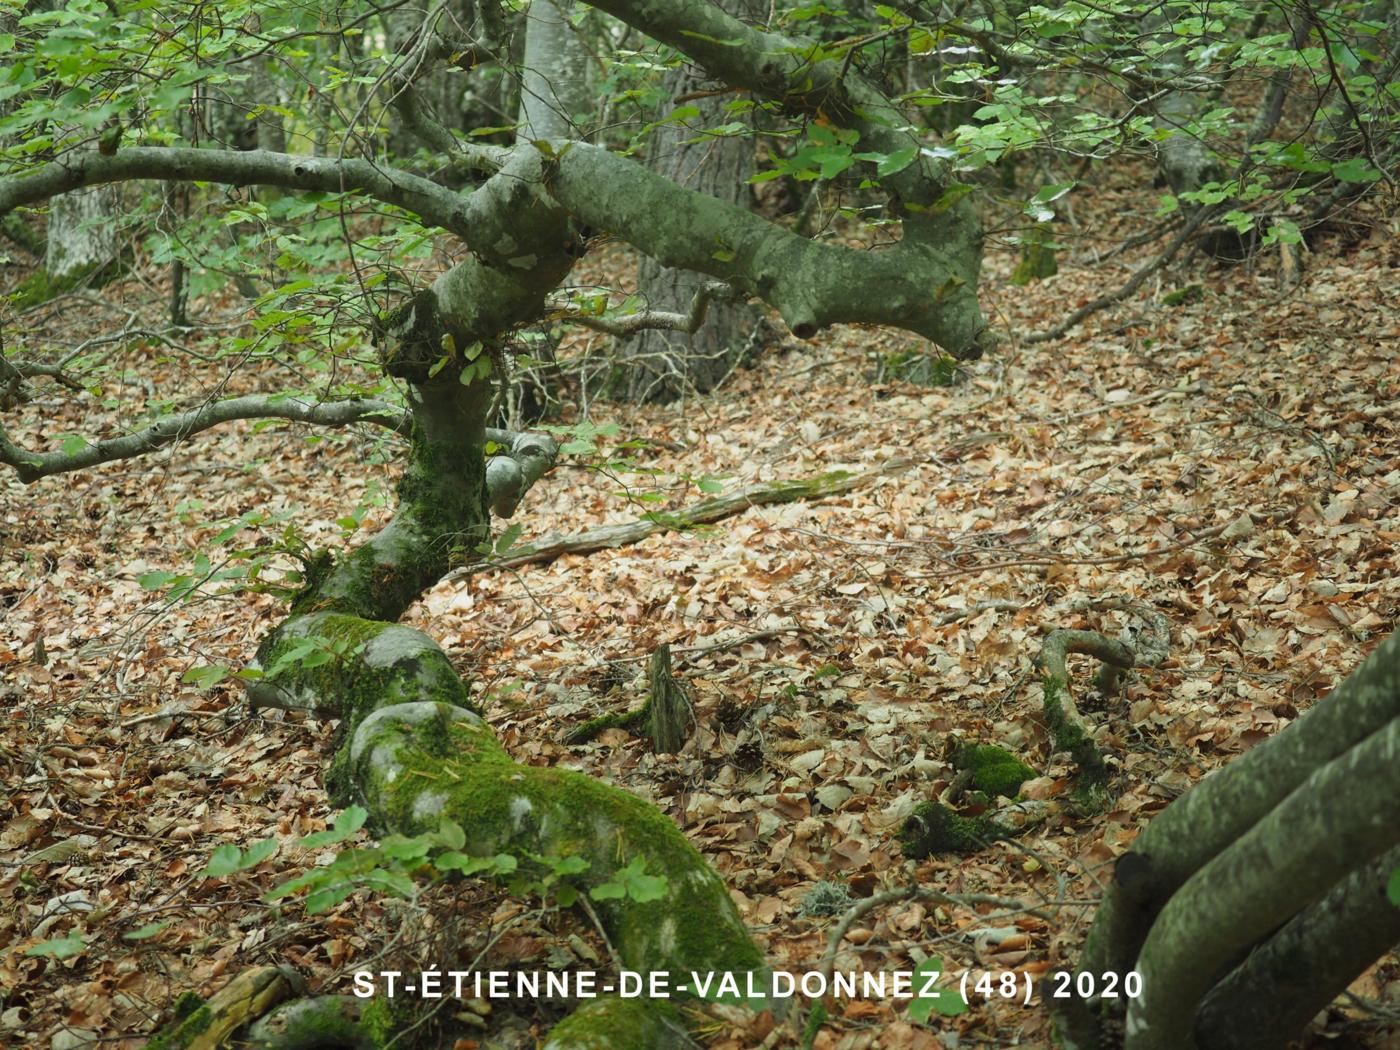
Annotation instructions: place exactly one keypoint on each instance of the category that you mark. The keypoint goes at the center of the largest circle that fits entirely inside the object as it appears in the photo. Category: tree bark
(554, 78)
(82, 233)
(1232, 863)
(661, 365)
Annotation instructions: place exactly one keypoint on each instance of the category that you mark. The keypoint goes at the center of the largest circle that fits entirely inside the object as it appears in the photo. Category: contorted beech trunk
(413, 749)
(1259, 895)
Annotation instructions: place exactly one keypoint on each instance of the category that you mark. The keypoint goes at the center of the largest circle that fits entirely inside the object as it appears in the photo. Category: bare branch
(31, 466)
(631, 324)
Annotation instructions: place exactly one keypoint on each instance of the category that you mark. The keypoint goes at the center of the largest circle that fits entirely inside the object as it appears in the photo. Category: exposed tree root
(1068, 729)
(412, 749)
(206, 1025)
(612, 1023)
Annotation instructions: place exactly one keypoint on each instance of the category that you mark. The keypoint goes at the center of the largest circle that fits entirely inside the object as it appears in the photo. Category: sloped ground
(1249, 437)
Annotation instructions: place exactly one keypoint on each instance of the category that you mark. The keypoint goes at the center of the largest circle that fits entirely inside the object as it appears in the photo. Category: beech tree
(1287, 852)
(538, 204)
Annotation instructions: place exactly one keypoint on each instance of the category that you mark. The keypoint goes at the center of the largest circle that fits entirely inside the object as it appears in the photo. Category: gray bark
(1281, 986)
(661, 365)
(1343, 816)
(554, 78)
(82, 233)
(1275, 830)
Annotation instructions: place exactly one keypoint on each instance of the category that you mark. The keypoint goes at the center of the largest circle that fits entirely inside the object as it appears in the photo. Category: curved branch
(1068, 729)
(1270, 997)
(434, 204)
(31, 466)
(941, 247)
(926, 284)
(1335, 821)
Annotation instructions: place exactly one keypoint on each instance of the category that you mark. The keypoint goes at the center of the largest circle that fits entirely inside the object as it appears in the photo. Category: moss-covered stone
(933, 828)
(612, 1023)
(993, 769)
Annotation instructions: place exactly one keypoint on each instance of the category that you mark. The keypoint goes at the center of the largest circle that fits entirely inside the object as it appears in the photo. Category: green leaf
(154, 581)
(507, 539)
(146, 932)
(897, 161)
(1392, 888)
(204, 677)
(223, 861)
(947, 1002)
(571, 865)
(227, 859)
(59, 947)
(566, 896)
(347, 822)
(644, 888)
(608, 891)
(73, 444)
(328, 897)
(1354, 170)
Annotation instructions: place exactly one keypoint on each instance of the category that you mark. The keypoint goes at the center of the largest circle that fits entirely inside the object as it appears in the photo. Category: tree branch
(927, 284)
(760, 494)
(31, 466)
(631, 324)
(434, 204)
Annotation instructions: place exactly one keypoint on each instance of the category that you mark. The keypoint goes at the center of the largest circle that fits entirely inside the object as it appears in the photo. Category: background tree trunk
(554, 81)
(658, 364)
(82, 236)
(664, 365)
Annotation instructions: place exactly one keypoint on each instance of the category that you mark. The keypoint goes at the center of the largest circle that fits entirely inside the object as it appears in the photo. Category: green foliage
(228, 859)
(631, 882)
(60, 947)
(924, 368)
(946, 1002)
(1392, 888)
(400, 865)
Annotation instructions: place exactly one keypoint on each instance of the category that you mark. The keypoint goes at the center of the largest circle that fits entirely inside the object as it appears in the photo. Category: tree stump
(669, 703)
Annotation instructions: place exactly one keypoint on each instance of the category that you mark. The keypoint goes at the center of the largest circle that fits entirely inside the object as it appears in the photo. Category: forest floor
(829, 645)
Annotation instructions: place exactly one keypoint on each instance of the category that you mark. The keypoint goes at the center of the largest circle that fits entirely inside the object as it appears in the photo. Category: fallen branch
(1131, 285)
(762, 494)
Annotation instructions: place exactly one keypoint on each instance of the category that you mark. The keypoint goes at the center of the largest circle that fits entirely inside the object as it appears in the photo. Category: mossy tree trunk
(1259, 895)
(414, 750)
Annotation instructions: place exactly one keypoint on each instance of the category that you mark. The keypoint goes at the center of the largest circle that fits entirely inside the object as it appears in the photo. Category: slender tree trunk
(554, 81)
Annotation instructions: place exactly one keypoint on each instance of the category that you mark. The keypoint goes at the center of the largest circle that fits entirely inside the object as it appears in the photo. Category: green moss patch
(933, 829)
(994, 770)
